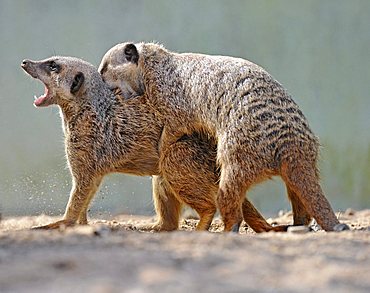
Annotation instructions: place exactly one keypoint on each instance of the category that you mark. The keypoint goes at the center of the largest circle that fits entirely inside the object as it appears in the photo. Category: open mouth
(41, 100)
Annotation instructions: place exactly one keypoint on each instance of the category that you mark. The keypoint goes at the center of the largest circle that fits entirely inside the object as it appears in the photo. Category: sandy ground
(110, 256)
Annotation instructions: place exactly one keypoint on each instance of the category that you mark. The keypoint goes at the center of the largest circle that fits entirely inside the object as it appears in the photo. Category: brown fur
(260, 130)
(105, 133)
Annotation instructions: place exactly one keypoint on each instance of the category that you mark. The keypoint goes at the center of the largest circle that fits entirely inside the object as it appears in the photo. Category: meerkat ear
(131, 53)
(77, 82)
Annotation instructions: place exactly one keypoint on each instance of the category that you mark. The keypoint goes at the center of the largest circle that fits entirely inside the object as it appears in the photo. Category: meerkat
(259, 130)
(105, 133)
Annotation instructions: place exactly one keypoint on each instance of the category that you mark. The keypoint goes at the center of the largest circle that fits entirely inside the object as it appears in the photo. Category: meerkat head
(65, 79)
(120, 69)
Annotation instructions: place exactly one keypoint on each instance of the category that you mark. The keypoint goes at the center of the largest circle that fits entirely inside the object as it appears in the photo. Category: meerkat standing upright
(260, 130)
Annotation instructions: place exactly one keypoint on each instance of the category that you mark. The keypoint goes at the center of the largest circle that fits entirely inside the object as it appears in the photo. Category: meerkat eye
(53, 66)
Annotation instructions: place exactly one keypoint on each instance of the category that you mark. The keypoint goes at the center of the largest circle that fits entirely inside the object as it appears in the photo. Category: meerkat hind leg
(302, 178)
(256, 221)
(300, 215)
(167, 207)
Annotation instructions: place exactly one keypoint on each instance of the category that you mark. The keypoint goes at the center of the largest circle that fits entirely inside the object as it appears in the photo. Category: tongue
(39, 100)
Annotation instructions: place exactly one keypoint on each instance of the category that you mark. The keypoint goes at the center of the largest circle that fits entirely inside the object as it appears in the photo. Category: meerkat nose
(25, 63)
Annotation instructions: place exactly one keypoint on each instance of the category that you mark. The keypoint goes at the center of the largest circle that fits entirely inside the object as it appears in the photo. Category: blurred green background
(319, 50)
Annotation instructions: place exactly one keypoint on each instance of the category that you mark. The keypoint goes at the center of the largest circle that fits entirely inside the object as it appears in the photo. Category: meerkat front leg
(82, 219)
(82, 192)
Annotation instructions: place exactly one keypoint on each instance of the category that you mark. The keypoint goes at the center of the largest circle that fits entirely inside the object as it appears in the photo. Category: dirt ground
(111, 256)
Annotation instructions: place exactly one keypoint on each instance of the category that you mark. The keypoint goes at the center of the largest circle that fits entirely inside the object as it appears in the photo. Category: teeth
(35, 97)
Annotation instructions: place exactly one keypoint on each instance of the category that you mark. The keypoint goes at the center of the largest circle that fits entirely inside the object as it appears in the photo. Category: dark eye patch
(52, 66)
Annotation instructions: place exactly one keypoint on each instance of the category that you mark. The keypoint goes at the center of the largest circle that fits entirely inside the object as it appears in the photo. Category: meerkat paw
(341, 227)
(62, 224)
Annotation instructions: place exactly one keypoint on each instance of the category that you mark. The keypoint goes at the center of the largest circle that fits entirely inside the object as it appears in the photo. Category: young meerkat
(105, 133)
(259, 130)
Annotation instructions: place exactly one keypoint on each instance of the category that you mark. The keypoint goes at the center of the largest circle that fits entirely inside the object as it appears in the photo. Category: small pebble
(281, 213)
(349, 212)
(298, 229)
(314, 226)
(64, 265)
(102, 230)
